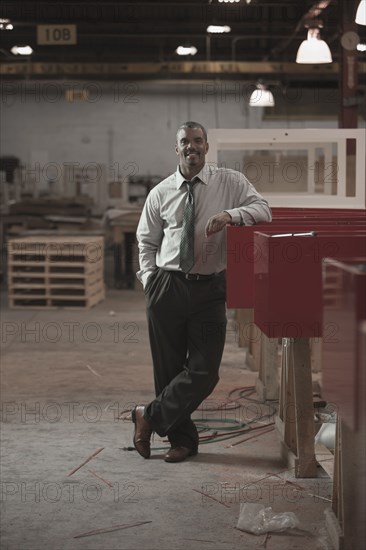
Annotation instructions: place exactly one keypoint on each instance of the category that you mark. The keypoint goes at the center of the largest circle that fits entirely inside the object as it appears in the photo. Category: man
(182, 268)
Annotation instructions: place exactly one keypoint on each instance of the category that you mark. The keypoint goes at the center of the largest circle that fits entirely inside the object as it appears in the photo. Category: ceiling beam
(165, 69)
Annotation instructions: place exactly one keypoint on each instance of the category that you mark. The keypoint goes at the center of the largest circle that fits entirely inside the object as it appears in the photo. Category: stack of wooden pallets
(55, 271)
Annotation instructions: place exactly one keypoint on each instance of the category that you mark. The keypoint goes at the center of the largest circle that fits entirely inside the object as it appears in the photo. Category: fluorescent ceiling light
(218, 28)
(313, 49)
(361, 13)
(361, 47)
(261, 97)
(21, 50)
(186, 50)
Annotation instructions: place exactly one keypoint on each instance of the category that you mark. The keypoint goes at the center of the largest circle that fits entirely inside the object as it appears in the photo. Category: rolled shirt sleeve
(252, 207)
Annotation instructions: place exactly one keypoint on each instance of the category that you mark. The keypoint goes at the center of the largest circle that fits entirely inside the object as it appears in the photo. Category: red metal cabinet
(288, 280)
(242, 253)
(344, 311)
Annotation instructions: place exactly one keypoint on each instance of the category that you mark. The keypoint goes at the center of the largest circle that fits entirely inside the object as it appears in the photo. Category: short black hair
(192, 124)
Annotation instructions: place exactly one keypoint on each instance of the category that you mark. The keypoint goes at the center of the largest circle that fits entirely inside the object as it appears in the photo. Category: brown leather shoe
(178, 454)
(142, 433)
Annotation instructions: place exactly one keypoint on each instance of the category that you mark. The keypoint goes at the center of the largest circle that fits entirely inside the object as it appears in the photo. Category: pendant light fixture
(261, 97)
(361, 13)
(313, 49)
(186, 50)
(21, 50)
(218, 29)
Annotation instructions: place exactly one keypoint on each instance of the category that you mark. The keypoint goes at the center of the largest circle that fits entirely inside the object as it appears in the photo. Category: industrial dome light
(261, 97)
(313, 49)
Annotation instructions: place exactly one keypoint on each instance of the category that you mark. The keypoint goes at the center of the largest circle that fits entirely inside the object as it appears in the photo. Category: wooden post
(296, 415)
(267, 385)
(244, 318)
(316, 354)
(348, 113)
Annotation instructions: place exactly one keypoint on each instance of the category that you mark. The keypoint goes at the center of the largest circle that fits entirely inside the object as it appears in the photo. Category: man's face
(191, 148)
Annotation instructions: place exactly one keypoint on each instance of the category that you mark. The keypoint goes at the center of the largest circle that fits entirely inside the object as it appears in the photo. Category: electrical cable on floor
(239, 427)
(231, 432)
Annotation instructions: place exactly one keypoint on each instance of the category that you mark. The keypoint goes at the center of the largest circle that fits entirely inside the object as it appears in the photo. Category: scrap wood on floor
(110, 529)
(85, 461)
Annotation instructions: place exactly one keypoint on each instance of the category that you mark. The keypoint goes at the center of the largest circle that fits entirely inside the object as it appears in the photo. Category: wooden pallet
(51, 272)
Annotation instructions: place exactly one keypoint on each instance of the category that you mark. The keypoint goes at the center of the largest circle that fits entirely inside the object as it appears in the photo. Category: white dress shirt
(160, 226)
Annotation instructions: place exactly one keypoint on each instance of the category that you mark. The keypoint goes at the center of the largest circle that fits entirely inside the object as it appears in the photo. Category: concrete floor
(66, 378)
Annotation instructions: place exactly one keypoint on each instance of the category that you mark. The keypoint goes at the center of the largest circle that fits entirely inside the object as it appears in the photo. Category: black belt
(197, 276)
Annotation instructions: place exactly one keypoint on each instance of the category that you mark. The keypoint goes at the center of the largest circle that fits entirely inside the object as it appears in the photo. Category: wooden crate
(46, 272)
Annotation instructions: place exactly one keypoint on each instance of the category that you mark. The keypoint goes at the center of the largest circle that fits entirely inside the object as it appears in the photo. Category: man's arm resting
(217, 223)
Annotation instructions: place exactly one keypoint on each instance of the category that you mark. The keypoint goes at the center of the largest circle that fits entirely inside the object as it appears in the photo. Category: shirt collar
(203, 175)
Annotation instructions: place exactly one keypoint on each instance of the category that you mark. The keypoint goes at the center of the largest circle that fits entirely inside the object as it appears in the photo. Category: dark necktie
(186, 258)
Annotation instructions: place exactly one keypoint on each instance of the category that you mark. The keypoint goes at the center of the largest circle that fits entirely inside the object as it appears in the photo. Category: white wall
(132, 124)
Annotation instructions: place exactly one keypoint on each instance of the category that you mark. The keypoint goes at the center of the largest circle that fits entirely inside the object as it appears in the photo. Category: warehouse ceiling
(117, 39)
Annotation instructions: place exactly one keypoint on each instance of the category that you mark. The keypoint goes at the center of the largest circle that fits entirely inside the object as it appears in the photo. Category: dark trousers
(187, 327)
